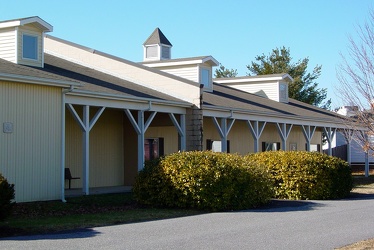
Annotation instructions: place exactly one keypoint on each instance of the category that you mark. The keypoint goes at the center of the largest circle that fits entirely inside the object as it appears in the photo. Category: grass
(82, 212)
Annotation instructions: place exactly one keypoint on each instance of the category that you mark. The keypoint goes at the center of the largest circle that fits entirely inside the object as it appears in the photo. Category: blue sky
(233, 32)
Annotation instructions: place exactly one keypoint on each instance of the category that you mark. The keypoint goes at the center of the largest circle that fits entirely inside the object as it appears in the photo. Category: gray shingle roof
(157, 37)
(230, 98)
(11, 69)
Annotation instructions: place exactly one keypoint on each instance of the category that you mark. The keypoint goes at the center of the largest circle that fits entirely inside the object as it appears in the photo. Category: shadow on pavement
(360, 196)
(276, 205)
(73, 234)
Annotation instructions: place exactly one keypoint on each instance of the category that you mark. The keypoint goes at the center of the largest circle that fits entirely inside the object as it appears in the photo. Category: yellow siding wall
(169, 134)
(241, 140)
(130, 138)
(30, 156)
(29, 29)
(106, 149)
(161, 126)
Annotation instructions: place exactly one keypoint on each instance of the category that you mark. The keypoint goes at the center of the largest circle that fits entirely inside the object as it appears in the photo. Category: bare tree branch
(356, 77)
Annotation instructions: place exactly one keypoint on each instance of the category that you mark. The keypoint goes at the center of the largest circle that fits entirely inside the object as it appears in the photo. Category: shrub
(306, 175)
(6, 198)
(203, 180)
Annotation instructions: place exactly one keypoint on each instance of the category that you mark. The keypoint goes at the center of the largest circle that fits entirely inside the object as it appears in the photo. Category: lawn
(82, 212)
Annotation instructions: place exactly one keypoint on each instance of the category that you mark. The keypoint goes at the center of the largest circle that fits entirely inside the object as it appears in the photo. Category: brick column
(194, 129)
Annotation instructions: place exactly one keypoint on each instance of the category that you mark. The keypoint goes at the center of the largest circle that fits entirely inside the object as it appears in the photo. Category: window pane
(147, 150)
(166, 52)
(205, 78)
(270, 146)
(217, 146)
(314, 148)
(151, 149)
(30, 47)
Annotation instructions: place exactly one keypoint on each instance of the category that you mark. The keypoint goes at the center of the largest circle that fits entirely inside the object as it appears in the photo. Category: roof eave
(38, 81)
(211, 59)
(263, 78)
(182, 61)
(128, 98)
(43, 25)
(331, 121)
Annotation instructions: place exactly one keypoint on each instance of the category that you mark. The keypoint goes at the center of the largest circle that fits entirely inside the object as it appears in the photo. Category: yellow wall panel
(30, 153)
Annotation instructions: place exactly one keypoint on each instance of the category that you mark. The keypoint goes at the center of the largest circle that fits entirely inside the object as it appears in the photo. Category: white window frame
(36, 47)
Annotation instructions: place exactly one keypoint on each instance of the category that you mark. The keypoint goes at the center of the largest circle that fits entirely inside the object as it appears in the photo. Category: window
(283, 92)
(165, 52)
(205, 77)
(216, 146)
(293, 146)
(270, 146)
(153, 148)
(313, 147)
(152, 51)
(30, 47)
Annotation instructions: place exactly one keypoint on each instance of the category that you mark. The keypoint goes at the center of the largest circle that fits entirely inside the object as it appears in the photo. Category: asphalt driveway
(282, 225)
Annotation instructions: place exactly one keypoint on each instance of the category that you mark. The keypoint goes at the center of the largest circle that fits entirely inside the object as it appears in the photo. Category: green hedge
(306, 175)
(6, 197)
(203, 180)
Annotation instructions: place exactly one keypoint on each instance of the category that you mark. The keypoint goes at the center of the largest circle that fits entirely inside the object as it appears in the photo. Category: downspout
(63, 143)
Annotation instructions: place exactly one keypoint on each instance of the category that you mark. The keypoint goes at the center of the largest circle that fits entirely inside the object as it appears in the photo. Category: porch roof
(14, 72)
(231, 99)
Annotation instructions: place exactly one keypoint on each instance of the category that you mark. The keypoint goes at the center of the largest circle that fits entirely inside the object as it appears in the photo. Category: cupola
(157, 47)
(22, 40)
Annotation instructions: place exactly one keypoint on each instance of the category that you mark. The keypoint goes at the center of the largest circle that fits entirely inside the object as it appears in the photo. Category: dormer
(157, 47)
(22, 40)
(274, 87)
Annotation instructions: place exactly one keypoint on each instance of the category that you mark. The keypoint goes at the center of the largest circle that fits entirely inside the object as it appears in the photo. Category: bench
(69, 177)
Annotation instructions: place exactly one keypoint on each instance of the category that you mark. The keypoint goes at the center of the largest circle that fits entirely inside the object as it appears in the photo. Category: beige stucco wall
(106, 149)
(30, 155)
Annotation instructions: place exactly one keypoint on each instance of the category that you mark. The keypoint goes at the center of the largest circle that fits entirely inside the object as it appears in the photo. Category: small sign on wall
(8, 127)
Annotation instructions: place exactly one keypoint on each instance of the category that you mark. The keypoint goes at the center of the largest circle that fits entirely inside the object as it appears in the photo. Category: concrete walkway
(283, 225)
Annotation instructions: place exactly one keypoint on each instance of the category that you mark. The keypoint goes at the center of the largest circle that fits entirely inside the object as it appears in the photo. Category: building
(63, 105)
(348, 145)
